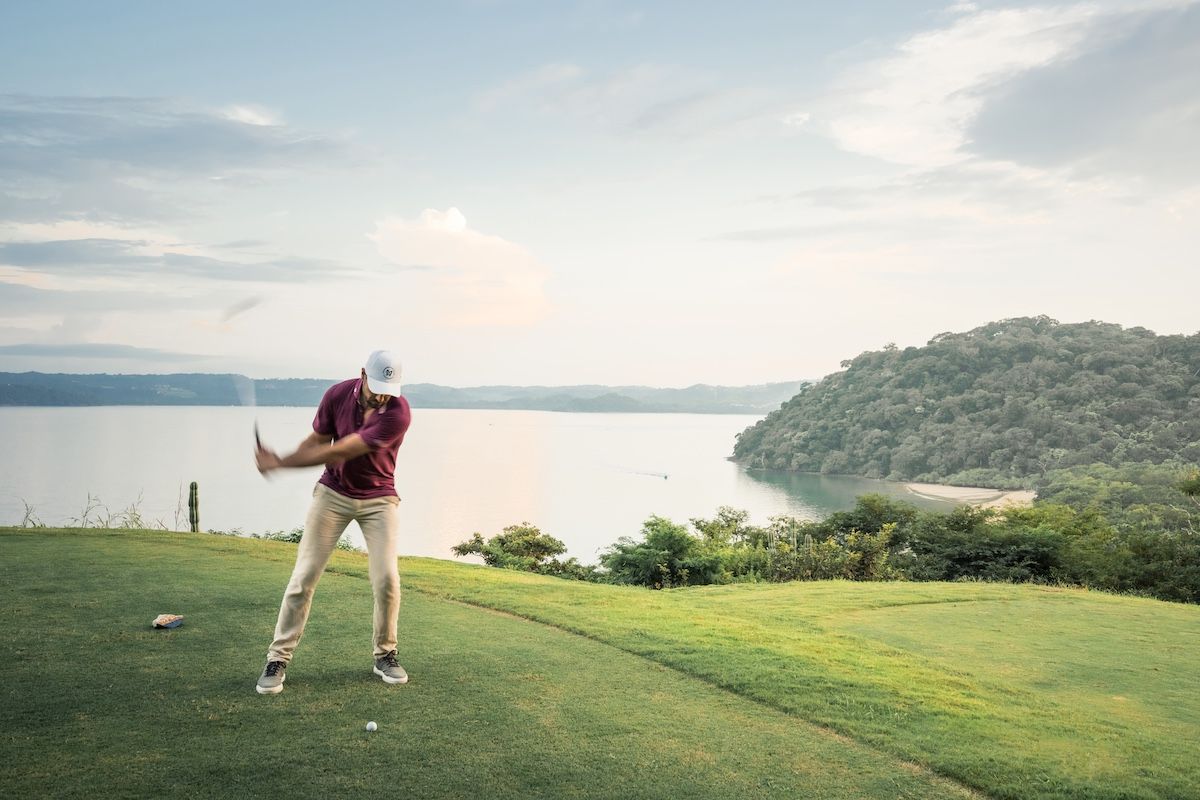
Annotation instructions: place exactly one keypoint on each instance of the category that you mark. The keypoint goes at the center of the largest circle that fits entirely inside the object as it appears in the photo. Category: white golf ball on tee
(371, 726)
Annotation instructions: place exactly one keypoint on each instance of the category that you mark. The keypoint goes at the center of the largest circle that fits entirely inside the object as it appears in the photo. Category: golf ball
(371, 726)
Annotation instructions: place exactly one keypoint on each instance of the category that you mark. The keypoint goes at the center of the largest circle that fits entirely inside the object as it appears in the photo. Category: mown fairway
(1018, 691)
(713, 692)
(97, 704)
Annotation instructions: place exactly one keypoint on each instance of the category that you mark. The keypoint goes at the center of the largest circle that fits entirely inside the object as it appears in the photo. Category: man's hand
(266, 460)
(315, 450)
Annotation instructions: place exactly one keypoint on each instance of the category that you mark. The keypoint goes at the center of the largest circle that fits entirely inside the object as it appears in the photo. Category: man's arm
(315, 450)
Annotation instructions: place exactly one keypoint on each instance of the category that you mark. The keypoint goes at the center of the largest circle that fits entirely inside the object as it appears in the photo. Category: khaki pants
(330, 513)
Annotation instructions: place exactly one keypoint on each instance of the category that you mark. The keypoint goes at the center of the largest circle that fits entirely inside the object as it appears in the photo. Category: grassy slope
(1020, 691)
(94, 703)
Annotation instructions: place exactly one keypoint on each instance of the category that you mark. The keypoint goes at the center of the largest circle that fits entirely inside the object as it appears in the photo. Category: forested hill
(41, 389)
(996, 406)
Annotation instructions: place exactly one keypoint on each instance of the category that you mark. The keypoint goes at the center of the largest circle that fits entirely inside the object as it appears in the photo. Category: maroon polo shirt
(373, 473)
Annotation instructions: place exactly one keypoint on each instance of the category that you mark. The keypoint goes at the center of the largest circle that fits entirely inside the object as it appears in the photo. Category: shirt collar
(358, 398)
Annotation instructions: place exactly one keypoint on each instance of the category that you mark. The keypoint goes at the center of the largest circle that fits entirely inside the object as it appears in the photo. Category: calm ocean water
(587, 479)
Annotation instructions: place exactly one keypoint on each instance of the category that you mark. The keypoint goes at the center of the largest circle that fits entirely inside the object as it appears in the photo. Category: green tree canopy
(1001, 405)
(525, 547)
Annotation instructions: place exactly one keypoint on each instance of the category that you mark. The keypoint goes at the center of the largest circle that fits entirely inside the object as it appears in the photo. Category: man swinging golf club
(357, 431)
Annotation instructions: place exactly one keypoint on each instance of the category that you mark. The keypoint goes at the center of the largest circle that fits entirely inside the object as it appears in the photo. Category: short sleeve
(324, 422)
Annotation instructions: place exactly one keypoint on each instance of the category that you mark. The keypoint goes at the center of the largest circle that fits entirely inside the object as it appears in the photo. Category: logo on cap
(388, 373)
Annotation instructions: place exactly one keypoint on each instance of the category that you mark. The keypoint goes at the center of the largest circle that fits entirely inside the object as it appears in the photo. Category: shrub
(524, 547)
(667, 556)
(293, 536)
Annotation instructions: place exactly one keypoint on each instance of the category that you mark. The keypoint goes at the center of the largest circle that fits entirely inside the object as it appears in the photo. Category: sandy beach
(973, 495)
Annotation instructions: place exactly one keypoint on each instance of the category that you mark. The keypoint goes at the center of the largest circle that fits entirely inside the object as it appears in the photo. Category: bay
(587, 479)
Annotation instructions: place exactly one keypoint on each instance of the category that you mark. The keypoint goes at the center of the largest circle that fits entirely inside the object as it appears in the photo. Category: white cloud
(547, 78)
(615, 98)
(252, 115)
(142, 159)
(914, 107)
(142, 242)
(798, 119)
(80, 229)
(642, 98)
(1126, 110)
(464, 277)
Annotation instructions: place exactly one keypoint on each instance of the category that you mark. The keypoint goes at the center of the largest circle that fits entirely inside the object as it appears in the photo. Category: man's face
(369, 398)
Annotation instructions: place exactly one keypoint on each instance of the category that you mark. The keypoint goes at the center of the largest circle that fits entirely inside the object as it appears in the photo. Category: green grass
(1018, 691)
(827, 689)
(97, 704)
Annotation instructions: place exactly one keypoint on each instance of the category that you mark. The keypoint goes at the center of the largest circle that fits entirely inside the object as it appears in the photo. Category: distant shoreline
(204, 389)
(973, 495)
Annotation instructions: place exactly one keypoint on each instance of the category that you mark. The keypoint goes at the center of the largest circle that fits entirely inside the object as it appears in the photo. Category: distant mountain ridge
(43, 389)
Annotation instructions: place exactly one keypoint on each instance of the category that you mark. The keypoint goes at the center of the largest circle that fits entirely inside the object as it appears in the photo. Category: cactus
(194, 507)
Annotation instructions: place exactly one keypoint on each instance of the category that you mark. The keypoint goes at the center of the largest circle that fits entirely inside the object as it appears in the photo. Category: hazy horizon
(420, 383)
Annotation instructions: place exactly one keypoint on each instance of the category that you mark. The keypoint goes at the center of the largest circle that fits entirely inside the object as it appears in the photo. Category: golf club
(247, 397)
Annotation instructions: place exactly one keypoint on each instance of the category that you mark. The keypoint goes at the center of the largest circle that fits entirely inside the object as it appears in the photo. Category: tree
(730, 526)
(521, 547)
(1002, 405)
(667, 556)
(1190, 486)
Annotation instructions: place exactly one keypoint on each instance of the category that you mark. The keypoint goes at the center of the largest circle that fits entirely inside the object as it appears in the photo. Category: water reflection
(587, 479)
(821, 495)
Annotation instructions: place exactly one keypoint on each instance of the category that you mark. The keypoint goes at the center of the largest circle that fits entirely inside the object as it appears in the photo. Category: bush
(976, 543)
(748, 563)
(870, 514)
(1107, 530)
(868, 554)
(294, 536)
(812, 561)
(1166, 566)
(524, 547)
(668, 556)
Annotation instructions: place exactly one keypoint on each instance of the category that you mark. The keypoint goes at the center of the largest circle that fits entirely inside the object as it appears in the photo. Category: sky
(552, 193)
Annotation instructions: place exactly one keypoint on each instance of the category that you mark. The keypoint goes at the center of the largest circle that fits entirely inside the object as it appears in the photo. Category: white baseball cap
(383, 373)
